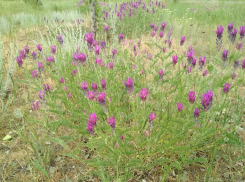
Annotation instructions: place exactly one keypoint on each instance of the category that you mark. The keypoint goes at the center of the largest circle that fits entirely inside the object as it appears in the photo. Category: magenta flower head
(94, 87)
(189, 70)
(22, 54)
(84, 87)
(153, 33)
(238, 46)
(205, 73)
(50, 60)
(233, 76)
(219, 31)
(27, 50)
(69, 95)
(122, 137)
(110, 65)
(62, 80)
(152, 25)
(163, 25)
(151, 118)
(106, 29)
(41, 94)
(180, 106)
(190, 55)
(192, 97)
(91, 95)
(40, 67)
(206, 99)
(230, 27)
(226, 87)
(112, 122)
(182, 40)
(243, 64)
(202, 60)
(35, 105)
(60, 39)
(175, 59)
(224, 55)
(161, 34)
(114, 52)
(169, 43)
(81, 57)
(94, 42)
(97, 50)
(19, 61)
(236, 64)
(196, 113)
(53, 49)
(143, 94)
(46, 87)
(34, 55)
(103, 84)
(92, 119)
(39, 47)
(242, 32)
(164, 49)
(101, 97)
(34, 74)
(161, 74)
(193, 62)
(90, 128)
(89, 38)
(150, 56)
(74, 72)
(147, 133)
(129, 85)
(233, 35)
(99, 62)
(121, 37)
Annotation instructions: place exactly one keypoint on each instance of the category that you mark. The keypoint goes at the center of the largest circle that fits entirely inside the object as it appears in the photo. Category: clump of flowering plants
(129, 119)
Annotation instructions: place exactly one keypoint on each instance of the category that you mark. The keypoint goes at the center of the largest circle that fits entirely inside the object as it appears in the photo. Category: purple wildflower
(27, 50)
(236, 64)
(206, 99)
(191, 97)
(89, 38)
(147, 133)
(110, 65)
(164, 49)
(152, 25)
(205, 73)
(69, 95)
(41, 94)
(121, 37)
(233, 76)
(22, 54)
(34, 55)
(112, 122)
(155, 28)
(39, 48)
(60, 39)
(189, 70)
(163, 25)
(46, 87)
(202, 60)
(151, 118)
(40, 67)
(219, 31)
(196, 113)
(161, 34)
(50, 59)
(224, 55)
(230, 27)
(92, 119)
(226, 87)
(122, 137)
(62, 80)
(53, 49)
(175, 59)
(238, 46)
(35, 105)
(242, 32)
(194, 61)
(74, 72)
(90, 128)
(243, 64)
(94, 87)
(19, 61)
(34, 74)
(129, 85)
(161, 74)
(91, 95)
(143, 94)
(106, 29)
(99, 62)
(103, 84)
(97, 50)
(182, 40)
(84, 87)
(153, 33)
(190, 55)
(180, 106)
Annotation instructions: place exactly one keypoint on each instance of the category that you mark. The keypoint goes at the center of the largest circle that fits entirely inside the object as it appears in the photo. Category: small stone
(52, 170)
(202, 169)
(7, 138)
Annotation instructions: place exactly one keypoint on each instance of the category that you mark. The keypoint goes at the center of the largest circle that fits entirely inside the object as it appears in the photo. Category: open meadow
(156, 94)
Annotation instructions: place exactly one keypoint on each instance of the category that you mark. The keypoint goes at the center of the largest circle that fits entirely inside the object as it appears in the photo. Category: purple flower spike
(182, 40)
(205, 73)
(94, 87)
(153, 33)
(34, 55)
(164, 49)
(84, 87)
(161, 34)
(50, 60)
(189, 70)
(110, 65)
(122, 137)
(60, 39)
(39, 48)
(219, 31)
(230, 27)
(53, 49)
(40, 67)
(94, 43)
(232, 35)
(90, 128)
(143, 94)
(35, 105)
(102, 101)
(27, 50)
(114, 52)
(34, 74)
(151, 118)
(89, 38)
(103, 84)
(196, 113)
(23, 54)
(193, 62)
(175, 59)
(242, 32)
(233, 76)
(91, 95)
(236, 64)
(69, 95)
(121, 37)
(239, 46)
(180, 106)
(129, 85)
(74, 72)
(62, 80)
(224, 55)
(41, 94)
(106, 29)
(112, 122)
(202, 61)
(226, 87)
(163, 25)
(19, 61)
(97, 50)
(206, 99)
(161, 74)
(190, 55)
(92, 119)
(46, 87)
(152, 25)
(155, 28)
(191, 97)
(243, 64)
